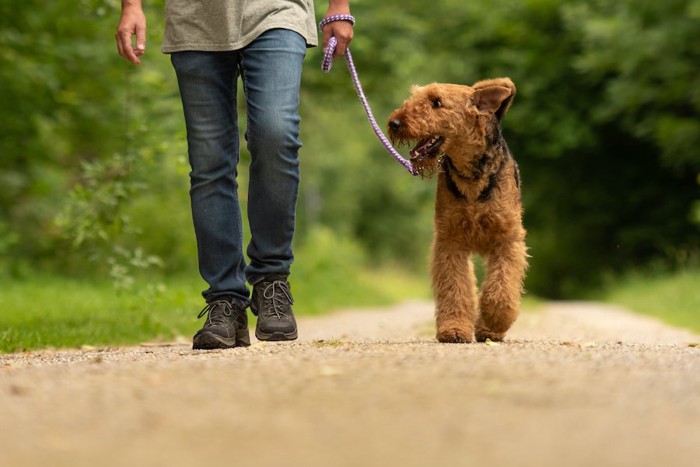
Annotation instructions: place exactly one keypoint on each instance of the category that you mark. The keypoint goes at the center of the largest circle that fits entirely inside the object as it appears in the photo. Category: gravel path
(575, 384)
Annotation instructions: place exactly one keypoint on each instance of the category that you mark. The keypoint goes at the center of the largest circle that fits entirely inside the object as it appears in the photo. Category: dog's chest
(478, 224)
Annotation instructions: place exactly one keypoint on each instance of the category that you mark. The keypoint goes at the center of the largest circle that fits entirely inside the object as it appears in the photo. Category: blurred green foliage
(605, 128)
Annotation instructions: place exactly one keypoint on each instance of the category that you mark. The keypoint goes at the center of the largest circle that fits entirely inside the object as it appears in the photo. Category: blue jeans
(270, 70)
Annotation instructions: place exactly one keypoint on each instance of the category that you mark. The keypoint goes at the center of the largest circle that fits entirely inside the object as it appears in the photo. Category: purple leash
(326, 67)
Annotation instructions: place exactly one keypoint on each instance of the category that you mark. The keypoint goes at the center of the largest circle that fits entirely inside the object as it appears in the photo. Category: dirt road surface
(576, 384)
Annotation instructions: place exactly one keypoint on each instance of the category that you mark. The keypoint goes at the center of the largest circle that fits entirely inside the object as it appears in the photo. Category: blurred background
(94, 173)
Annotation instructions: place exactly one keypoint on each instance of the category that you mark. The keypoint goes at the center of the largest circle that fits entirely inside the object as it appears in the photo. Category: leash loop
(326, 67)
(332, 18)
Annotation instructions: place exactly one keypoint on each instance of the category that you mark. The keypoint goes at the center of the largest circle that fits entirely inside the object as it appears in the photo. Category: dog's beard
(426, 166)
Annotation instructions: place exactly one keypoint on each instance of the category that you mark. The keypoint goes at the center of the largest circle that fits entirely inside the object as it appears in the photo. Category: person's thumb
(140, 38)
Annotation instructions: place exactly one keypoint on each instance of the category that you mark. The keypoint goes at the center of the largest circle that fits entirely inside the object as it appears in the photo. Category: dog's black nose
(394, 125)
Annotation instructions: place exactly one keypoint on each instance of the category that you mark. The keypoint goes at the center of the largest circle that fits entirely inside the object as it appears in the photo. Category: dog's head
(450, 119)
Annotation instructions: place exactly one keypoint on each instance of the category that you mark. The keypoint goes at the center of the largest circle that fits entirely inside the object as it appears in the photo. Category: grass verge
(55, 312)
(672, 298)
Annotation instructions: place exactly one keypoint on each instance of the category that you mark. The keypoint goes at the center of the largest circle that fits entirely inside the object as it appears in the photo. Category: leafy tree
(605, 128)
(646, 55)
(69, 107)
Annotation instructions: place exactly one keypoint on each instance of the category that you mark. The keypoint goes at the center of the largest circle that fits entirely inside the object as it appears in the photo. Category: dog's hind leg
(454, 287)
(501, 291)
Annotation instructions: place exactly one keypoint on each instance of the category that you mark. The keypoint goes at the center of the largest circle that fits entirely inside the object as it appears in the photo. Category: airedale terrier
(477, 209)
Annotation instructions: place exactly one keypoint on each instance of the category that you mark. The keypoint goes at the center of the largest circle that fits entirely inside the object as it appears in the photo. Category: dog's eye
(437, 103)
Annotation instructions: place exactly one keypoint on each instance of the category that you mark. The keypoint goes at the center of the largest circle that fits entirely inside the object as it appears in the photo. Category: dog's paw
(454, 335)
(482, 334)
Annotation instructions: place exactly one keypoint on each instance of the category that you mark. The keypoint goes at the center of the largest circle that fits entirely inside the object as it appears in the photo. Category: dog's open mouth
(427, 148)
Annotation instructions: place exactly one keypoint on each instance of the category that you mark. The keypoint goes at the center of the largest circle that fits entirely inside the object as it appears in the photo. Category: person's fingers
(120, 49)
(125, 48)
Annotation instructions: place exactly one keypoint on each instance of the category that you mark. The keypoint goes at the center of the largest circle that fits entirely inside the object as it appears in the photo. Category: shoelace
(216, 318)
(281, 296)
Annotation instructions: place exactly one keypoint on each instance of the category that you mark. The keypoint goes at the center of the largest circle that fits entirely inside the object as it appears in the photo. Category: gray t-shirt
(221, 25)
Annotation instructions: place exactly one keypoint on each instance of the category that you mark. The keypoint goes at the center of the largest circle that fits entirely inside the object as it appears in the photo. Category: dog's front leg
(501, 291)
(454, 287)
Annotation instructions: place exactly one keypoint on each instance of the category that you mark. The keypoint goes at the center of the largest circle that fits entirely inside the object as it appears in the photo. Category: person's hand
(341, 30)
(132, 22)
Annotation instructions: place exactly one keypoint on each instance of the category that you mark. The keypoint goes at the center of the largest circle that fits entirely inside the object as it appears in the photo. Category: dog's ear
(494, 96)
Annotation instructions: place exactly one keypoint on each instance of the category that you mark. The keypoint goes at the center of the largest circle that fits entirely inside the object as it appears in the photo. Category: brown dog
(477, 209)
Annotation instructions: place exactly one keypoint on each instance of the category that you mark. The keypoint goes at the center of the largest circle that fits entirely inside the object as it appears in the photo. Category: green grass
(672, 298)
(57, 312)
(54, 312)
(316, 294)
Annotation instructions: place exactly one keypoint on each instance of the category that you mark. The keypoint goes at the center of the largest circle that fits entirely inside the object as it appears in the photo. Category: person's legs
(207, 82)
(271, 72)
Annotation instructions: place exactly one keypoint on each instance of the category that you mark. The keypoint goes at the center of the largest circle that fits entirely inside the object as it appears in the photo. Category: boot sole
(210, 341)
(276, 336)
